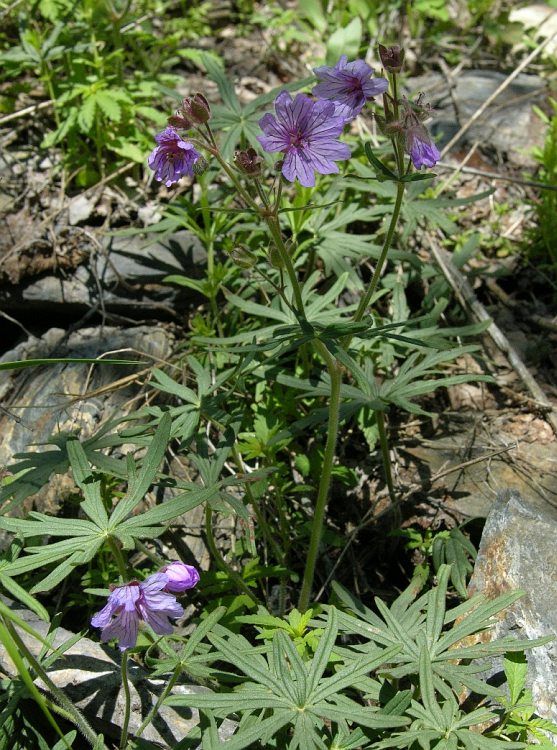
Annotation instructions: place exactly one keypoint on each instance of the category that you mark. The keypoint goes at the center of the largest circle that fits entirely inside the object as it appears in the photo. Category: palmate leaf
(433, 210)
(295, 692)
(84, 537)
(424, 624)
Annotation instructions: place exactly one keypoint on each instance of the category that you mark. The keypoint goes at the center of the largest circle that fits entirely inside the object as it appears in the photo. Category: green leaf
(378, 164)
(313, 11)
(215, 71)
(151, 462)
(86, 113)
(516, 668)
(109, 105)
(345, 41)
(19, 593)
(127, 149)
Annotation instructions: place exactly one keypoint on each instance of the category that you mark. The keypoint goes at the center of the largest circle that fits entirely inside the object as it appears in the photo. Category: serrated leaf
(86, 114)
(109, 105)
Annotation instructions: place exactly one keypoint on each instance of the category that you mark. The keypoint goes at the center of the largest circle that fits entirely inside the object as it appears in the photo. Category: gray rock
(518, 551)
(541, 20)
(487, 455)
(44, 401)
(508, 125)
(125, 275)
(89, 674)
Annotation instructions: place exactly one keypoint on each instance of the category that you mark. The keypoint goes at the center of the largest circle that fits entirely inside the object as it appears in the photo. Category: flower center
(297, 139)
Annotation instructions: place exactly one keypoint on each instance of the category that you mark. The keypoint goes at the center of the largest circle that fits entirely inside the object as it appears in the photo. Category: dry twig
(467, 298)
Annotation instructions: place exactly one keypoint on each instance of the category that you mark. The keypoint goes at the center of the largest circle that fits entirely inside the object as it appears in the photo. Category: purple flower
(132, 602)
(306, 131)
(349, 85)
(413, 133)
(172, 158)
(180, 577)
(422, 151)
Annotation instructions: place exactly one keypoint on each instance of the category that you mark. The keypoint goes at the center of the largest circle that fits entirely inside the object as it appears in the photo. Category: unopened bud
(178, 121)
(392, 58)
(243, 257)
(196, 108)
(248, 162)
(200, 166)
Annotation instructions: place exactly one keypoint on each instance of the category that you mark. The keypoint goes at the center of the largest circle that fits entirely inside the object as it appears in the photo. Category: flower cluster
(305, 130)
(150, 601)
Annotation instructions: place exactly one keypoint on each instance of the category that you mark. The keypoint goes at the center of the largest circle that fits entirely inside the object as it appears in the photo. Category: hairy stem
(127, 702)
(364, 302)
(335, 374)
(119, 557)
(384, 445)
(276, 234)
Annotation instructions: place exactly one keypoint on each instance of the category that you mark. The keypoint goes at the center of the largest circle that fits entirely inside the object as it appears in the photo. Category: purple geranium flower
(172, 158)
(180, 577)
(349, 85)
(417, 141)
(306, 131)
(135, 601)
(422, 151)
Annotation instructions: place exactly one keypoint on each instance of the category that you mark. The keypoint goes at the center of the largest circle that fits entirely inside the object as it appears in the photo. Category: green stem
(246, 197)
(220, 561)
(364, 302)
(335, 374)
(160, 700)
(268, 533)
(384, 445)
(276, 234)
(120, 562)
(127, 702)
(57, 694)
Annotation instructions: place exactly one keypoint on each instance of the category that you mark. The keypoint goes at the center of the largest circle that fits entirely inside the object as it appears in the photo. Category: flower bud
(180, 577)
(248, 162)
(200, 166)
(392, 58)
(243, 256)
(275, 258)
(178, 121)
(196, 108)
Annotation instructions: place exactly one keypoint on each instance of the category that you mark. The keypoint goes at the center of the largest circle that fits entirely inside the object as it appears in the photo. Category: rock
(81, 207)
(518, 551)
(89, 674)
(45, 400)
(508, 125)
(542, 20)
(125, 275)
(519, 451)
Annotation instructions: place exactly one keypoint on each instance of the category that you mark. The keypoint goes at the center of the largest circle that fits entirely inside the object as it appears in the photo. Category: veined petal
(124, 627)
(159, 622)
(297, 166)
